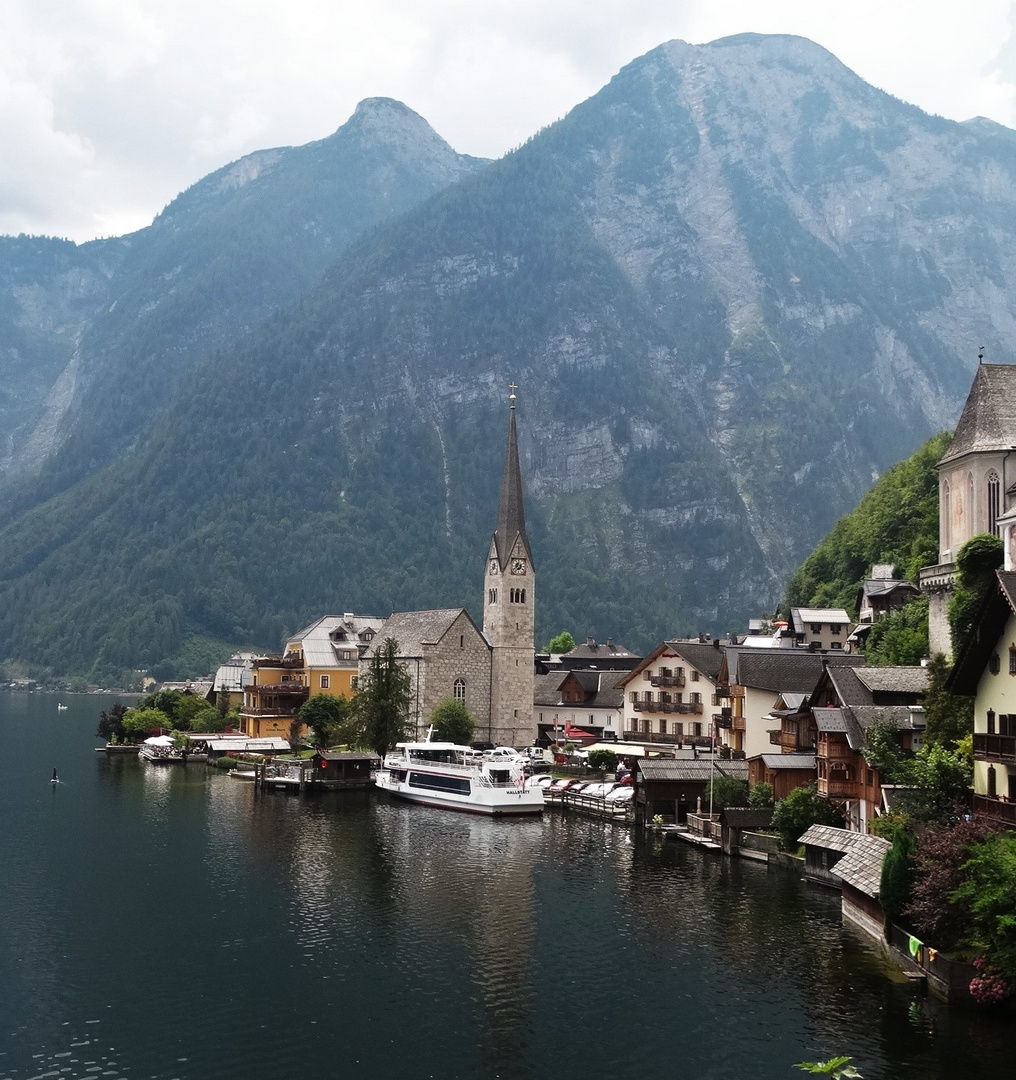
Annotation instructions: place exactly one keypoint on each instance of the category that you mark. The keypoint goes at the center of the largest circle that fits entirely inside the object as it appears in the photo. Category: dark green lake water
(166, 922)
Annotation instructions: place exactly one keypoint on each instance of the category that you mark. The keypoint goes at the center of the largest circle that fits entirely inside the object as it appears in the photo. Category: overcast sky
(109, 108)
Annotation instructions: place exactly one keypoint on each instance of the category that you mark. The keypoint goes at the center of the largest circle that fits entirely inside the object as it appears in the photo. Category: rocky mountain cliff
(735, 286)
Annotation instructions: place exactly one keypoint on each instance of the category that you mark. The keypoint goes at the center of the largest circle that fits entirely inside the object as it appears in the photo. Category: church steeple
(511, 515)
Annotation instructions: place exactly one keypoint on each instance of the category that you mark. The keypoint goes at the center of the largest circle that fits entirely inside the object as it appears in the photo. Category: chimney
(591, 642)
(610, 643)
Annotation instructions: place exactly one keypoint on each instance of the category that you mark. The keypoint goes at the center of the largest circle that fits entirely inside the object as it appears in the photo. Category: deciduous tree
(452, 722)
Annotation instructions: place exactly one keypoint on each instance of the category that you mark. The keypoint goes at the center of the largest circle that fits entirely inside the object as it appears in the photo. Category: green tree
(111, 726)
(563, 643)
(990, 894)
(327, 717)
(452, 722)
(900, 637)
(899, 872)
(726, 791)
(801, 809)
(950, 717)
(137, 722)
(193, 713)
(603, 760)
(761, 794)
(883, 751)
(976, 563)
(382, 704)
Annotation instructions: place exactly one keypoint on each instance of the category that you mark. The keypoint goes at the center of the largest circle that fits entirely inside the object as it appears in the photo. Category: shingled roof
(900, 680)
(988, 420)
(861, 865)
(702, 656)
(414, 629)
(691, 769)
(793, 670)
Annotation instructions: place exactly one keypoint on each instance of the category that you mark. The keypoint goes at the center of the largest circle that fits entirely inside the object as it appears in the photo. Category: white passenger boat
(458, 778)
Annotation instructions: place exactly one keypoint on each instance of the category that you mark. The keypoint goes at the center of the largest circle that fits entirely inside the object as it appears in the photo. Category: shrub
(899, 871)
(761, 795)
(801, 809)
(605, 760)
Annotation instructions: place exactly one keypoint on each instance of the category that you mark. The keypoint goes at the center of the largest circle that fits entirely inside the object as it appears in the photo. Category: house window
(992, 783)
(993, 501)
(354, 682)
(462, 641)
(679, 730)
(1012, 659)
(834, 628)
(459, 690)
(836, 645)
(663, 727)
(695, 699)
(633, 696)
(697, 728)
(694, 676)
(326, 682)
(869, 777)
(647, 674)
(648, 695)
(664, 696)
(991, 722)
(816, 628)
(590, 718)
(994, 664)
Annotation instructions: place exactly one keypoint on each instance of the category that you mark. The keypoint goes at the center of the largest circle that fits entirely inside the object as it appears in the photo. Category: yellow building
(321, 659)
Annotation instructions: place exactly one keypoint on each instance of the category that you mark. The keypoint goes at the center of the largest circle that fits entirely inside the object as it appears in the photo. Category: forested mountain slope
(895, 523)
(735, 286)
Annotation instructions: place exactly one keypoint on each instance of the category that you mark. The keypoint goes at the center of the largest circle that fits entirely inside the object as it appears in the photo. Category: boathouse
(345, 769)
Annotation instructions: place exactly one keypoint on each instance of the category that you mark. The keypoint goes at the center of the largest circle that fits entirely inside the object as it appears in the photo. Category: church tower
(508, 607)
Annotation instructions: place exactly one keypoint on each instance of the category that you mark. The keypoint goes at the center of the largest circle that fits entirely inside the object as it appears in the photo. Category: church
(490, 670)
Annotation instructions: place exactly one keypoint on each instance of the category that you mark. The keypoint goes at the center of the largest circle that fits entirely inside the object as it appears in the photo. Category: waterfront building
(820, 628)
(448, 656)
(587, 700)
(667, 694)
(321, 659)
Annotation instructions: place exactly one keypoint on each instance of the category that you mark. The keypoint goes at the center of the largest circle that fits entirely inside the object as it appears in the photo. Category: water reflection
(171, 922)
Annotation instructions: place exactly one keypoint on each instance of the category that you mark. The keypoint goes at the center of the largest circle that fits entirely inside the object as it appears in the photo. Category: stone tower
(508, 606)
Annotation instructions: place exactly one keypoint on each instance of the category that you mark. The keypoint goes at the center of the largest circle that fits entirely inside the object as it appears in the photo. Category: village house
(751, 683)
(576, 704)
(320, 659)
(667, 695)
(881, 594)
(590, 655)
(229, 679)
(976, 486)
(825, 629)
(986, 670)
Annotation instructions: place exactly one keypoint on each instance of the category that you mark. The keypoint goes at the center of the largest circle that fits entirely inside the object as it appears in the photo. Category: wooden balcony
(282, 710)
(654, 737)
(994, 747)
(995, 810)
(837, 789)
(667, 680)
(691, 708)
(723, 719)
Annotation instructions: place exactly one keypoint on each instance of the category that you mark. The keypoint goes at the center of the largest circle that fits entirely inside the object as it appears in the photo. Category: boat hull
(506, 805)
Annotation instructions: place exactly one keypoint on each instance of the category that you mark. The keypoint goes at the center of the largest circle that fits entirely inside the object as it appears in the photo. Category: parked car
(542, 780)
(503, 753)
(620, 794)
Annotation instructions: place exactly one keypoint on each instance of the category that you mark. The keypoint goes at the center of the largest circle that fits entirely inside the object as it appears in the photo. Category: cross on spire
(511, 397)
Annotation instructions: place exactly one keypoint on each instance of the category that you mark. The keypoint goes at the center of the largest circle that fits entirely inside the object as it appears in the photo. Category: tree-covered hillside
(896, 522)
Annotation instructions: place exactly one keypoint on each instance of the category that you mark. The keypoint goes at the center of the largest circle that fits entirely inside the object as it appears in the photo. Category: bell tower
(508, 607)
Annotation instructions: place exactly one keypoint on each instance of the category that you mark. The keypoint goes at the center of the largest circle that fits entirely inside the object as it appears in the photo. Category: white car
(503, 753)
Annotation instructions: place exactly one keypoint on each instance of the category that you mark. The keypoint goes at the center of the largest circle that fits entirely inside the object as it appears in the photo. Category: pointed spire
(511, 515)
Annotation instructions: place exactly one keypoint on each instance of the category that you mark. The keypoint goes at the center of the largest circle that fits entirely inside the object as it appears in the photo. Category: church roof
(988, 420)
(414, 629)
(511, 516)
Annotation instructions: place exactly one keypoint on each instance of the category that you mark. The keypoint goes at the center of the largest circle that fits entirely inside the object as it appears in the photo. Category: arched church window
(459, 690)
(946, 516)
(994, 501)
(492, 596)
(968, 510)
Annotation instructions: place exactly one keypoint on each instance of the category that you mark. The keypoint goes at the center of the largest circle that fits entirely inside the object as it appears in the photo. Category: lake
(166, 921)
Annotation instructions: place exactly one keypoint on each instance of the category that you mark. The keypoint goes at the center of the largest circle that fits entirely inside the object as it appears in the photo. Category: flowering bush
(987, 987)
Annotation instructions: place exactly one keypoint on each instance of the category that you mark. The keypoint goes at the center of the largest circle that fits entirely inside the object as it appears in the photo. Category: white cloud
(108, 108)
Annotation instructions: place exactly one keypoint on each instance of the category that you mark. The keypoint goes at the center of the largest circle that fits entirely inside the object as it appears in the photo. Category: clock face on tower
(518, 566)
(493, 566)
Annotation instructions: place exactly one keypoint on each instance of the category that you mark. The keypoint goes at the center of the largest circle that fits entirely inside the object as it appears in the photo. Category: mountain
(239, 244)
(735, 286)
